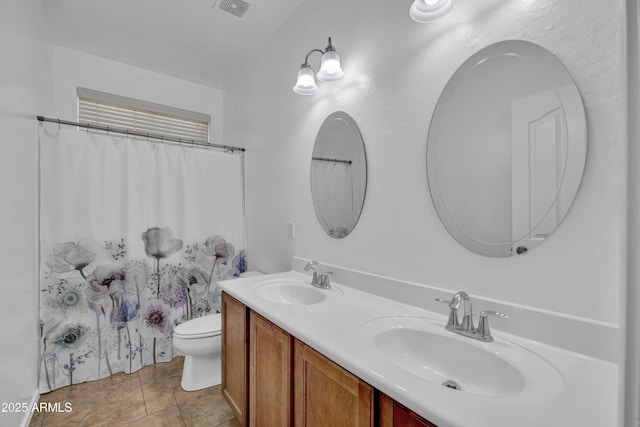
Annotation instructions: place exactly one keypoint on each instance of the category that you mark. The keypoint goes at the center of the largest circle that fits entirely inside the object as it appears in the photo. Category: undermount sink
(293, 292)
(423, 348)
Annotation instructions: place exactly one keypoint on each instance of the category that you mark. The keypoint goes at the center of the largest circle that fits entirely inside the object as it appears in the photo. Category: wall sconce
(330, 70)
(423, 11)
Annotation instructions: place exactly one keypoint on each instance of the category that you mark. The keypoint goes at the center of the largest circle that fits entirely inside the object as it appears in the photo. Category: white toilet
(200, 341)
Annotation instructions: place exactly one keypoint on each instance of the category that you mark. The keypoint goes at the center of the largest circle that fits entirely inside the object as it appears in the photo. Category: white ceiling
(188, 39)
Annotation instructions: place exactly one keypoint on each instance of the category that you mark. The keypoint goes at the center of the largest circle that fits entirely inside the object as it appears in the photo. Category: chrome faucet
(321, 280)
(466, 327)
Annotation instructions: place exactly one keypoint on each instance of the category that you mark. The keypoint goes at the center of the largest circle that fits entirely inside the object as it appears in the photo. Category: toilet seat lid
(200, 327)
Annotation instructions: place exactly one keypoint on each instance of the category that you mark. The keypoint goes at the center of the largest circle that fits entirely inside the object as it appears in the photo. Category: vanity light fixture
(423, 11)
(330, 70)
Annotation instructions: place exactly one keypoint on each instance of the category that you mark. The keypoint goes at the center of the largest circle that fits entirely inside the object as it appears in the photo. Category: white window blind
(113, 111)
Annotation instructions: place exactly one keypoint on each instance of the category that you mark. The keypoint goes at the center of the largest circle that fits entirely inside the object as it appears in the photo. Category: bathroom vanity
(285, 374)
(295, 355)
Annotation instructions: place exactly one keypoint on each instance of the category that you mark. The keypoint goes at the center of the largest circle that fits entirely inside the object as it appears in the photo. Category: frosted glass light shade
(330, 69)
(306, 84)
(423, 11)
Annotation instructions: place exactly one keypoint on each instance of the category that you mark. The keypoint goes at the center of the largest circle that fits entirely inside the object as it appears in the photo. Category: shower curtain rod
(326, 159)
(141, 134)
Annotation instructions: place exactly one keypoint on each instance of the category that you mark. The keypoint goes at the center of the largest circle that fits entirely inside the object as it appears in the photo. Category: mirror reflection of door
(506, 149)
(540, 147)
(538, 152)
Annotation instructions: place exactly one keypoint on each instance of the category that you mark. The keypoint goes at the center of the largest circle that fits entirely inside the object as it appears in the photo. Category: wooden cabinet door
(235, 356)
(269, 374)
(392, 414)
(326, 395)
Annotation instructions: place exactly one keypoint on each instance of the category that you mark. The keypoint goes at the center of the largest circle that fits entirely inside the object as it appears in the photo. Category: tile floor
(151, 397)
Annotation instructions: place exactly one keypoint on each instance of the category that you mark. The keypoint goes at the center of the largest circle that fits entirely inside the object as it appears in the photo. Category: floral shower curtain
(134, 236)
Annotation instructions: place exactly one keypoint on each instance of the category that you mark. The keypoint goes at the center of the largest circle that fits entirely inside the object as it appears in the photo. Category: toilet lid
(200, 327)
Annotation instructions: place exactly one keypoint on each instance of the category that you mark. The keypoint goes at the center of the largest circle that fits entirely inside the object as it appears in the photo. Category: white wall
(395, 70)
(73, 69)
(25, 90)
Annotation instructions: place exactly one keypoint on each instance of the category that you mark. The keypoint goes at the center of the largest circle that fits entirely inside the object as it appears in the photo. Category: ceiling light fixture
(330, 70)
(423, 11)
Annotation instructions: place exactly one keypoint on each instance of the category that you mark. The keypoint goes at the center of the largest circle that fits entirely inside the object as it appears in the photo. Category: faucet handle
(311, 265)
(442, 300)
(454, 303)
(494, 313)
(325, 280)
(453, 321)
(483, 324)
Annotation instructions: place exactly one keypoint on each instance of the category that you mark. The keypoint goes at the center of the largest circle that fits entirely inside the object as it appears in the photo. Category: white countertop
(587, 396)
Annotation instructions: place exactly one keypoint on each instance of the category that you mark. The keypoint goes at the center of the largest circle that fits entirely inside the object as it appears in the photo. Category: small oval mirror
(338, 174)
(506, 148)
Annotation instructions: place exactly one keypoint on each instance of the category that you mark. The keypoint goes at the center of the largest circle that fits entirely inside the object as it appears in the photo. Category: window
(113, 111)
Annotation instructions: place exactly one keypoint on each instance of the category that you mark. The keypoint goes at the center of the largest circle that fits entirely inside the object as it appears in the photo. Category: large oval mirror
(338, 174)
(506, 148)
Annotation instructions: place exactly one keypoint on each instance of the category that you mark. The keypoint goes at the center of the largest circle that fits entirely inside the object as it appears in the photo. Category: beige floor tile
(163, 369)
(169, 417)
(150, 397)
(204, 406)
(160, 403)
(77, 417)
(121, 377)
(158, 388)
(231, 423)
(162, 378)
(182, 395)
(98, 414)
(36, 419)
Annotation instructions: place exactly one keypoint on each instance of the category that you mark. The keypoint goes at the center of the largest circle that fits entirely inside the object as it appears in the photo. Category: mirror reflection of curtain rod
(326, 159)
(140, 134)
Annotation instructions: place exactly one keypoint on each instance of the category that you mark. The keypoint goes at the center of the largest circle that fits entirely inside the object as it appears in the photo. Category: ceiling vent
(237, 8)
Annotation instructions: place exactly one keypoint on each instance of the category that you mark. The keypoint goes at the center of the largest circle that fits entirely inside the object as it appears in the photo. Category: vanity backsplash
(585, 336)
